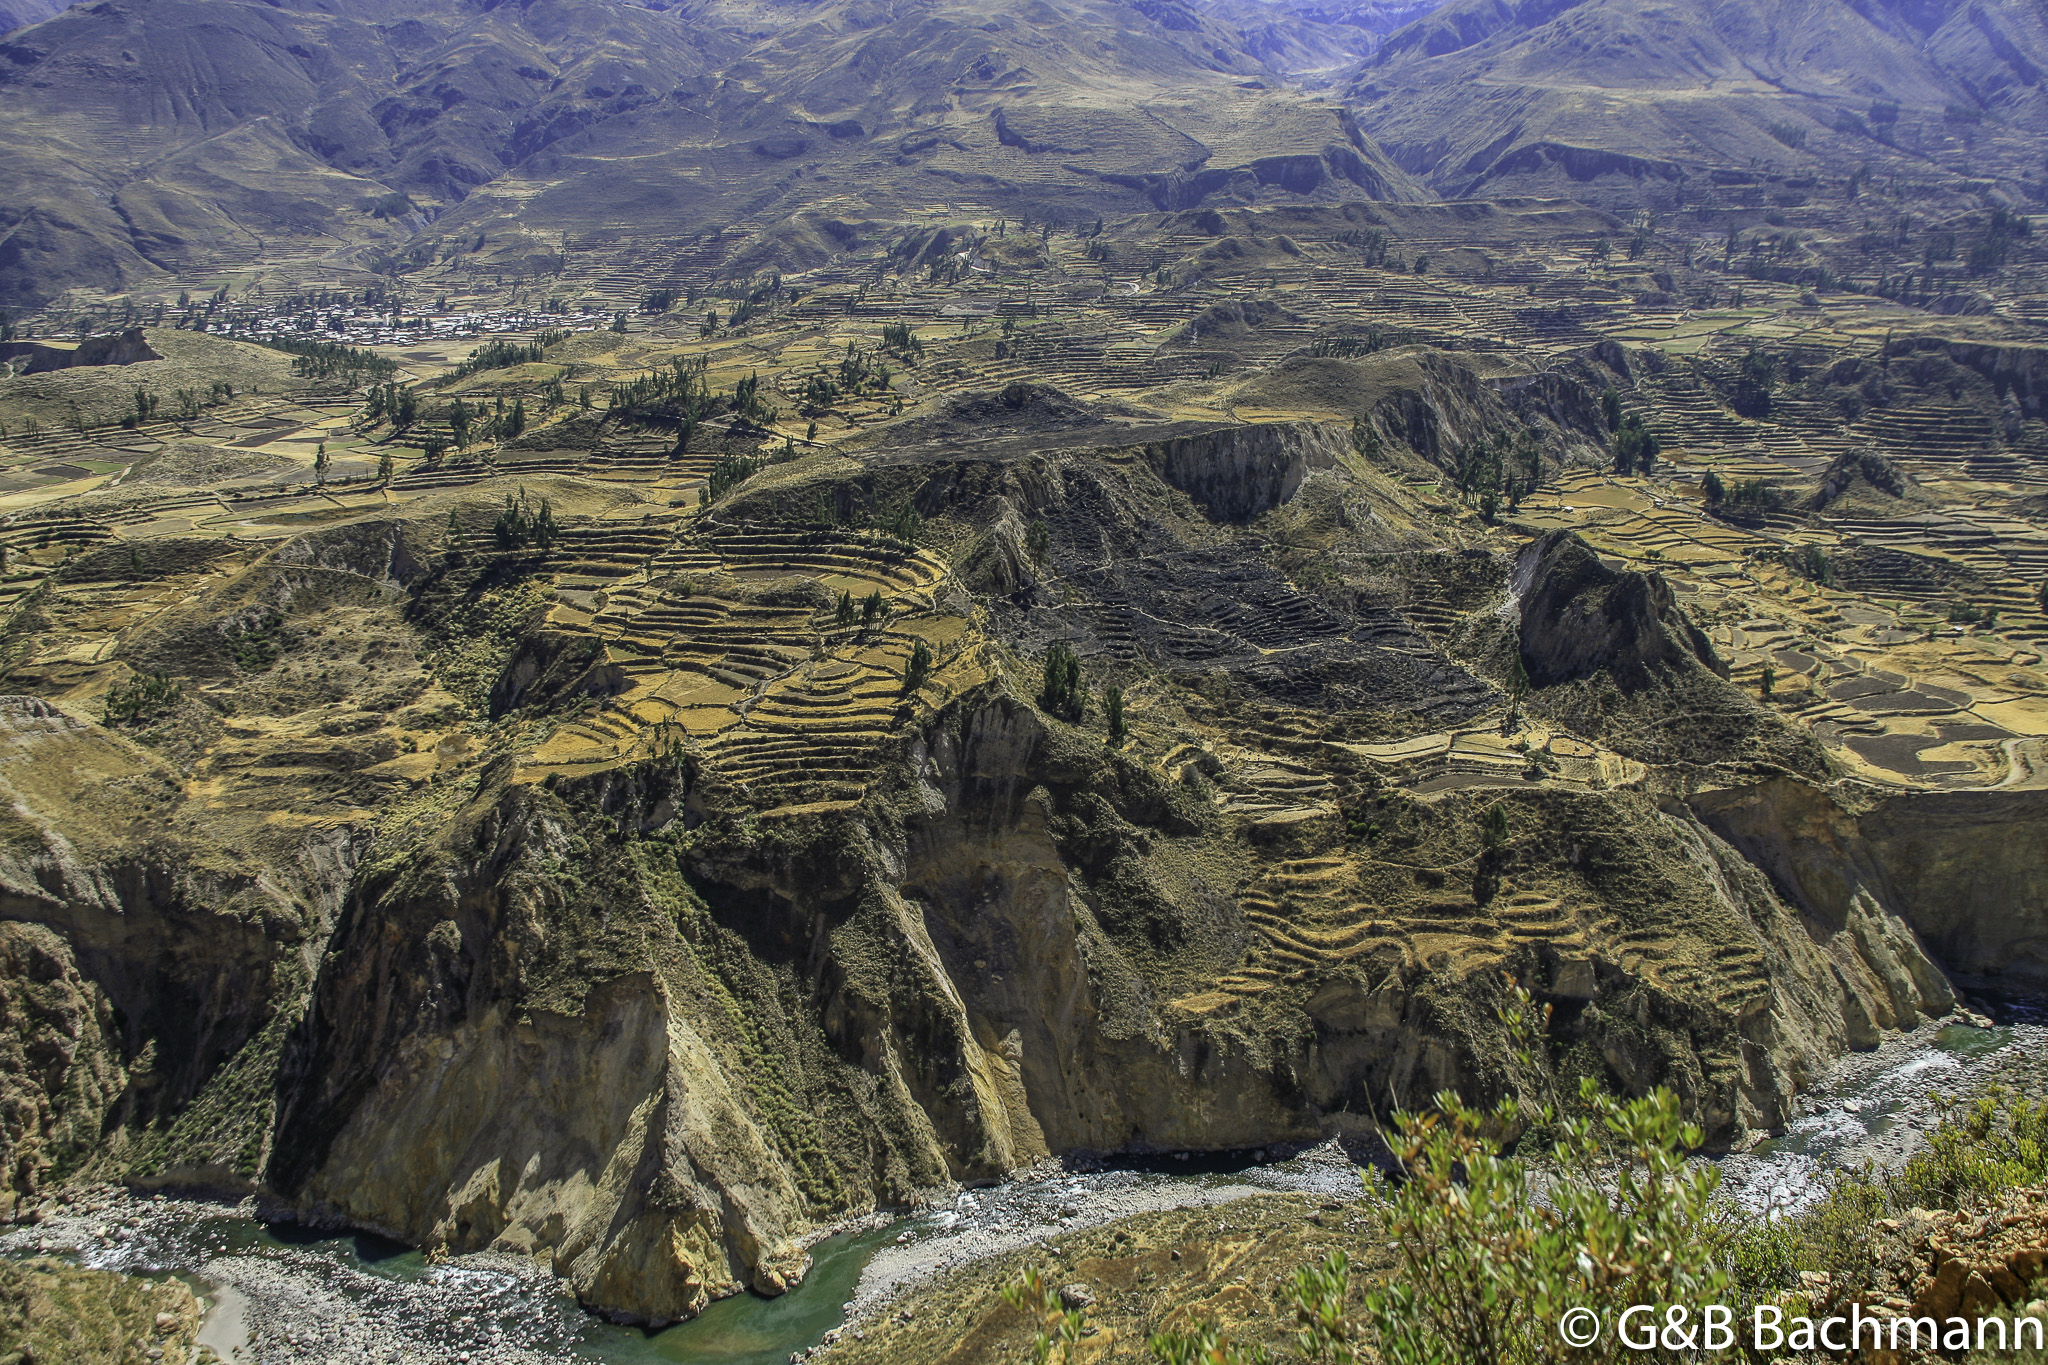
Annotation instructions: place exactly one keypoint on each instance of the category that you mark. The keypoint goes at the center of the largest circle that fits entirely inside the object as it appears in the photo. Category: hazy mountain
(1487, 97)
(156, 137)
(1302, 37)
(16, 14)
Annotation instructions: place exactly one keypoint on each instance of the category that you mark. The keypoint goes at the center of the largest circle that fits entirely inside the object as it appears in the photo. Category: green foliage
(1038, 543)
(1793, 135)
(1610, 407)
(470, 644)
(1487, 1270)
(499, 355)
(1480, 466)
(522, 524)
(331, 360)
(1635, 449)
(1060, 1327)
(1347, 346)
(1365, 439)
(144, 409)
(727, 474)
(918, 671)
(843, 614)
(1324, 1327)
(1811, 562)
(1062, 694)
(401, 406)
(1713, 488)
(905, 525)
(256, 644)
(1975, 1152)
(1205, 1345)
(1113, 713)
(1767, 681)
(1489, 1259)
(660, 300)
(1998, 1143)
(897, 337)
(860, 372)
(871, 608)
(1753, 496)
(143, 697)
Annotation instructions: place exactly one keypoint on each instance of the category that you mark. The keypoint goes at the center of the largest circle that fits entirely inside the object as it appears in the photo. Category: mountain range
(154, 141)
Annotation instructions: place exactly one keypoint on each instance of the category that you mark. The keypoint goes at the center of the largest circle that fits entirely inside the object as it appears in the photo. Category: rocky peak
(1580, 617)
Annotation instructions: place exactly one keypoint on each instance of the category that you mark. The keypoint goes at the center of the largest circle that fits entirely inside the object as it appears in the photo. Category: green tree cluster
(142, 697)
(521, 524)
(1062, 694)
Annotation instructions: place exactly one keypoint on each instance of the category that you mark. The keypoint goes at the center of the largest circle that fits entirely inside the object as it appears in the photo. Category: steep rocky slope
(458, 901)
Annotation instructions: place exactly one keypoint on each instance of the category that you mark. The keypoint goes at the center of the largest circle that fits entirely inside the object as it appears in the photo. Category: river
(280, 1294)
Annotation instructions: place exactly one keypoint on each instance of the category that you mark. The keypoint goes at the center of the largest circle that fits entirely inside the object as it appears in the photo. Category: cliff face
(560, 1021)
(650, 934)
(1964, 872)
(145, 970)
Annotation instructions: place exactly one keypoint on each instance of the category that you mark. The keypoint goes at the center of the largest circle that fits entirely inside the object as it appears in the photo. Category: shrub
(1998, 1143)
(1489, 1257)
(142, 697)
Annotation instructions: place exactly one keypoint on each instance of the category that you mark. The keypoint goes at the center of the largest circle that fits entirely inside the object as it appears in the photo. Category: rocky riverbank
(277, 1294)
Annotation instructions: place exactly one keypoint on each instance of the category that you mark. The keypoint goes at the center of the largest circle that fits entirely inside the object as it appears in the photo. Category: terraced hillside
(639, 794)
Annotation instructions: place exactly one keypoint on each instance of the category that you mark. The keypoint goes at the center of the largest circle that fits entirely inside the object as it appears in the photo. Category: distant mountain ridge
(1498, 97)
(16, 14)
(162, 136)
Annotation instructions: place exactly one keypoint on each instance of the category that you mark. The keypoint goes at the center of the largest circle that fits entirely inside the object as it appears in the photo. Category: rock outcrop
(1965, 872)
(1580, 618)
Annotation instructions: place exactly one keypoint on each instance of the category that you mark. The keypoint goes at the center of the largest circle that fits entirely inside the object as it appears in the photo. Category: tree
(522, 524)
(619, 321)
(515, 421)
(1610, 407)
(1713, 489)
(1635, 449)
(320, 462)
(1062, 694)
(918, 671)
(906, 525)
(1038, 542)
(843, 613)
(1113, 712)
(871, 609)
(384, 467)
(1365, 439)
(1770, 680)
